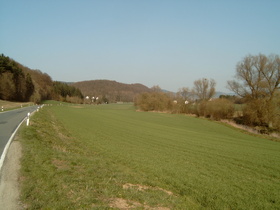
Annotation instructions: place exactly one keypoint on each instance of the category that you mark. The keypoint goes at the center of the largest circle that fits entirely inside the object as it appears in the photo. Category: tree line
(256, 101)
(19, 83)
(68, 93)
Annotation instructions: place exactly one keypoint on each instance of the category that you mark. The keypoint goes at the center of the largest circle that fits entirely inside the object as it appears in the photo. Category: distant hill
(110, 91)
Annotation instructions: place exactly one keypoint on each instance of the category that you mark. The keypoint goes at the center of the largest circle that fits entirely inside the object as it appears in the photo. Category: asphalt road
(9, 121)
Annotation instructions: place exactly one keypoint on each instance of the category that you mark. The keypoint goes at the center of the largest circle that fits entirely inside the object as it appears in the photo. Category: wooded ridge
(110, 91)
(20, 83)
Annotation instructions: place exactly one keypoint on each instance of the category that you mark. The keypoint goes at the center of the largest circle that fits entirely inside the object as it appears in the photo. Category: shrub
(155, 101)
(216, 109)
(220, 109)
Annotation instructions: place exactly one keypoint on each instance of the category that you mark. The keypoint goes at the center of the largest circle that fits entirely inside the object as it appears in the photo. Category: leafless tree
(204, 89)
(258, 79)
(185, 93)
(156, 88)
(259, 76)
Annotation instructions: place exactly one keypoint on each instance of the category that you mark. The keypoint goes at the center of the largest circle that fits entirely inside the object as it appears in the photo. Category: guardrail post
(2, 109)
(27, 121)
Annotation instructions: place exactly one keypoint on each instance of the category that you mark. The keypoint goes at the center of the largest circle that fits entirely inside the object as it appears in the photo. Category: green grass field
(110, 156)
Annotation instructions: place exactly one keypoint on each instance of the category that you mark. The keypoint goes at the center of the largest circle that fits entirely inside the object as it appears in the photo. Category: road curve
(9, 121)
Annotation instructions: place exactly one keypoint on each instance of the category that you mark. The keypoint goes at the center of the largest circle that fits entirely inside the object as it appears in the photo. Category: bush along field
(110, 156)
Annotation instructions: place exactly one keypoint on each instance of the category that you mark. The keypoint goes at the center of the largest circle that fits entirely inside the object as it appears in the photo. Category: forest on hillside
(19, 83)
(110, 91)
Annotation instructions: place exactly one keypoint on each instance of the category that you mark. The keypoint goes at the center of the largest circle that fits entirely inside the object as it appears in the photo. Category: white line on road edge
(9, 142)
(8, 145)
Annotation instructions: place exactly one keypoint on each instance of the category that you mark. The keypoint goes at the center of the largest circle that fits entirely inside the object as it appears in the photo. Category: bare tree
(259, 76)
(156, 88)
(185, 93)
(204, 89)
(258, 80)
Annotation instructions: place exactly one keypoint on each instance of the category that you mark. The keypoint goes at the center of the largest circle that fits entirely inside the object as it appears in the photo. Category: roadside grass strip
(8, 105)
(110, 156)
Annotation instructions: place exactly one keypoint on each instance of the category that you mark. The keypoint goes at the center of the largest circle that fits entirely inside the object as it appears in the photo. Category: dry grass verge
(272, 136)
(7, 105)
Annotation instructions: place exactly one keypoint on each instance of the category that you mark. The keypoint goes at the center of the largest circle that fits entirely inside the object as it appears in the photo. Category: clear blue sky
(153, 42)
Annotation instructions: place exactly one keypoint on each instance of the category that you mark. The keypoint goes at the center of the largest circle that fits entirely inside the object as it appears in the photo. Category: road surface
(9, 121)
